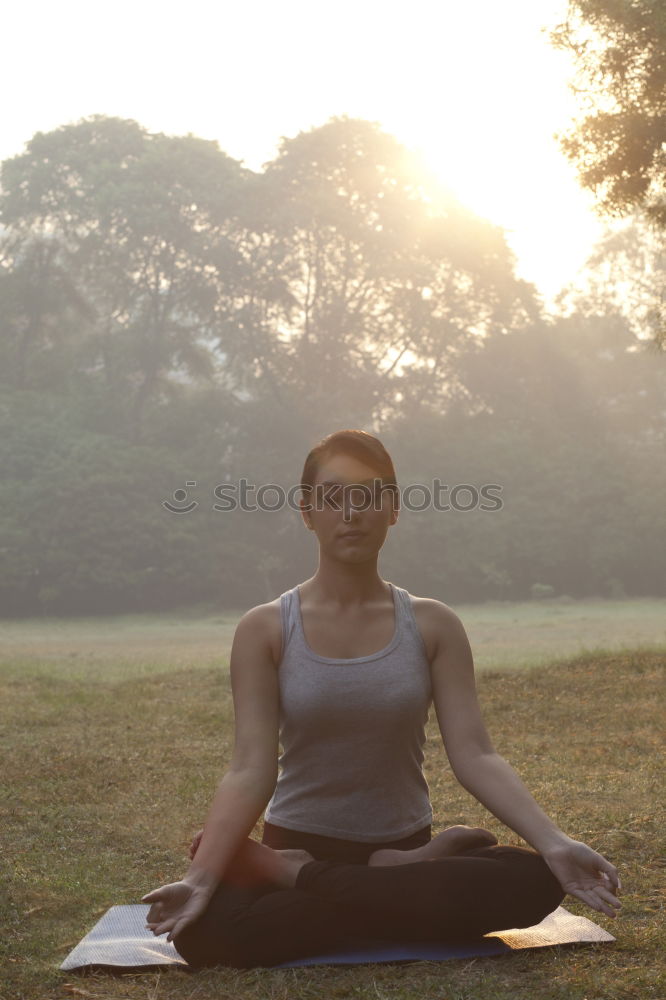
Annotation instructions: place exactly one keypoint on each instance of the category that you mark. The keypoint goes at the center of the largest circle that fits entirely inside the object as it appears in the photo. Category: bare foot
(255, 863)
(449, 842)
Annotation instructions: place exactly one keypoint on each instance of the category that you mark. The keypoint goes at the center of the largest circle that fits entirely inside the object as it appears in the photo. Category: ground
(108, 773)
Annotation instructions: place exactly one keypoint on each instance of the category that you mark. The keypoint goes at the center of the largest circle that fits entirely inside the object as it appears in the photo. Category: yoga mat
(120, 939)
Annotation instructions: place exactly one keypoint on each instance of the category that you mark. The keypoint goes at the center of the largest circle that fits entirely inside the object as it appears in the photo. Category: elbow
(256, 778)
(468, 766)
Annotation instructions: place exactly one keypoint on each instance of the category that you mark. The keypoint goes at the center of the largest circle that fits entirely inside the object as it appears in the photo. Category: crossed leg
(274, 906)
(256, 863)
(454, 840)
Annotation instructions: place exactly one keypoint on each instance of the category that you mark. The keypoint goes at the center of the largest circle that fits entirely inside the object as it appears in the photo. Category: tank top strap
(289, 617)
(408, 618)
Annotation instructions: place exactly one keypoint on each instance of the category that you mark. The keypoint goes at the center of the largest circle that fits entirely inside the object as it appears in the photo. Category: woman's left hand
(586, 875)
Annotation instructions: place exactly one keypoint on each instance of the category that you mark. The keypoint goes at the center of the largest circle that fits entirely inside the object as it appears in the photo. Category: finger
(608, 897)
(155, 913)
(590, 899)
(152, 897)
(162, 927)
(600, 908)
(610, 871)
(178, 927)
(606, 907)
(153, 921)
(610, 885)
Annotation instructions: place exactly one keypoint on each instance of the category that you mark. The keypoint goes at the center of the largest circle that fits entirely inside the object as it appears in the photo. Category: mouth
(354, 534)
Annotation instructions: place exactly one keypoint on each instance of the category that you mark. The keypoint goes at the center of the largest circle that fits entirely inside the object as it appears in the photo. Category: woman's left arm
(476, 764)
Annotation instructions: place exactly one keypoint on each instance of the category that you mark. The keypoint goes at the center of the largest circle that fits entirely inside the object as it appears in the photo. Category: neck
(344, 585)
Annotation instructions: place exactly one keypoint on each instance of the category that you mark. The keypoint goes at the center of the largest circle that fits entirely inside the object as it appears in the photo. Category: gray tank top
(352, 734)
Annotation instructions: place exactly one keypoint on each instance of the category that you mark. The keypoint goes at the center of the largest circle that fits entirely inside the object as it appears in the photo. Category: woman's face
(348, 497)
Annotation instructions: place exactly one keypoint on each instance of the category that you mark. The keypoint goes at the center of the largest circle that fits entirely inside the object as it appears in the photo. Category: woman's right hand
(174, 906)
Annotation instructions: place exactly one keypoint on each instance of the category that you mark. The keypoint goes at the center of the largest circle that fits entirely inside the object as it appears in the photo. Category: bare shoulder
(266, 620)
(437, 622)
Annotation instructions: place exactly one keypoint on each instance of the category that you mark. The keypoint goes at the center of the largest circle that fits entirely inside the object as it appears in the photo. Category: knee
(193, 946)
(551, 891)
(207, 943)
(537, 891)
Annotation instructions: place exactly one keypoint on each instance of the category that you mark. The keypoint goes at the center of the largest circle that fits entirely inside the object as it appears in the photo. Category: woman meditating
(341, 670)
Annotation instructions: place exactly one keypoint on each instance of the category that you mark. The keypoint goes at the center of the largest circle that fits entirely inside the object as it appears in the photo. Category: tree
(619, 145)
(384, 277)
(626, 275)
(43, 316)
(140, 223)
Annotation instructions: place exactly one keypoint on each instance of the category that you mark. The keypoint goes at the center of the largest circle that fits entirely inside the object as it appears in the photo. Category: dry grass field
(109, 765)
(504, 635)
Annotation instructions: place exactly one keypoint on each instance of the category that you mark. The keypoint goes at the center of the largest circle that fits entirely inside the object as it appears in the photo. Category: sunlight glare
(476, 88)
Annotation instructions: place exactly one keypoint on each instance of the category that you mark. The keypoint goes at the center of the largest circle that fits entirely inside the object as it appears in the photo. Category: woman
(342, 670)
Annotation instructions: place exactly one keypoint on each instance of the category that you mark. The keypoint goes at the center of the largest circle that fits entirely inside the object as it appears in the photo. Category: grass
(105, 781)
(504, 635)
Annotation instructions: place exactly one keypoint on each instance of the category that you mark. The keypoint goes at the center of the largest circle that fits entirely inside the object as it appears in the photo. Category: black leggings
(338, 901)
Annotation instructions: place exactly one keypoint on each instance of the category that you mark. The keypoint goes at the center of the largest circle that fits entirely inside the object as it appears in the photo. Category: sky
(474, 88)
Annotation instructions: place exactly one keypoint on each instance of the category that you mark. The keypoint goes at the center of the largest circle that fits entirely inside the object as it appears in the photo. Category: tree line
(170, 317)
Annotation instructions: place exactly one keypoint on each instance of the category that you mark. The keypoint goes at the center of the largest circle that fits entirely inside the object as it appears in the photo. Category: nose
(354, 502)
(352, 517)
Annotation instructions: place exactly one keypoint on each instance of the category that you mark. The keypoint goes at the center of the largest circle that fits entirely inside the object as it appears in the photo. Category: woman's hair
(359, 445)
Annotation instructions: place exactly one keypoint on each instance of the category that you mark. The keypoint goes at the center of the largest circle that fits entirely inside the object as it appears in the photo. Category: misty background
(169, 316)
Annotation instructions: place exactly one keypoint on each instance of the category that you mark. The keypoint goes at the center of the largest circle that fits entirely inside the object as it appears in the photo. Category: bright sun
(475, 87)
(487, 130)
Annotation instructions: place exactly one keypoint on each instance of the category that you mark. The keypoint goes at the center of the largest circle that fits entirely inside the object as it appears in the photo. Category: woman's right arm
(245, 789)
